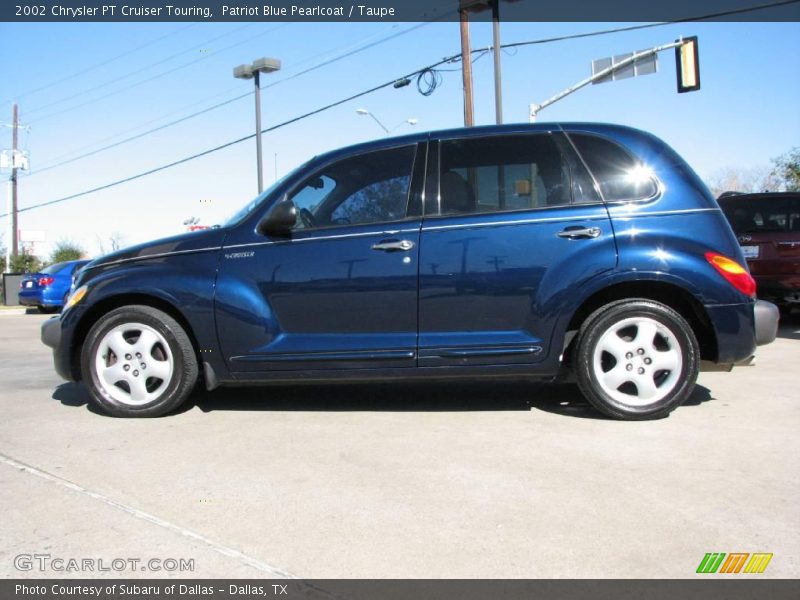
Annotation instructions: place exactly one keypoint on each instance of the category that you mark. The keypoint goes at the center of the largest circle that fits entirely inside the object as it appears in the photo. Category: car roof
(479, 131)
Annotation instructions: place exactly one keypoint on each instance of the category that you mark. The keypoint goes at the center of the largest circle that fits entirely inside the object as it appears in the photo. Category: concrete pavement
(407, 481)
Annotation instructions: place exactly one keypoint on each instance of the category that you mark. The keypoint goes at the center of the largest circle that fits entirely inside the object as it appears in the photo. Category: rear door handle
(579, 233)
(394, 245)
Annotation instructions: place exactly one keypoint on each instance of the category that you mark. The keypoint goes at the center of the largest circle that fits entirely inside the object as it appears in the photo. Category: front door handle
(579, 233)
(394, 245)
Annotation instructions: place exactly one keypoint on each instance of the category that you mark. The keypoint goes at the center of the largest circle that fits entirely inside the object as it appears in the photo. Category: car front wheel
(636, 359)
(138, 361)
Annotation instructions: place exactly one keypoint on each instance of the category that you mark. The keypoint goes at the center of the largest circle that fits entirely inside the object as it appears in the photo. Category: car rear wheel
(138, 361)
(636, 359)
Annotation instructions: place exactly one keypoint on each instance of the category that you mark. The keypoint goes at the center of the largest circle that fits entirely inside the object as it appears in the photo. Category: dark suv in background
(519, 251)
(768, 228)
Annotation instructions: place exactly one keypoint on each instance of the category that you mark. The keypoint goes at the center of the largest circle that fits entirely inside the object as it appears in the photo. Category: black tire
(169, 393)
(594, 365)
(46, 310)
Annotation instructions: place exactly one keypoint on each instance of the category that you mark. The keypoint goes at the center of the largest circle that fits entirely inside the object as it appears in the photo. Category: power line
(144, 68)
(55, 162)
(228, 144)
(347, 55)
(141, 135)
(157, 76)
(376, 88)
(705, 17)
(225, 102)
(101, 64)
(179, 67)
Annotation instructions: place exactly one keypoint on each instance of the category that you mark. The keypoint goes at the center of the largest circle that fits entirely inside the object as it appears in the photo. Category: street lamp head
(266, 65)
(412, 121)
(243, 72)
(362, 111)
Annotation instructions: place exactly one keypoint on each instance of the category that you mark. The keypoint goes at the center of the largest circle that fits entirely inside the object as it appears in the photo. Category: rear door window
(502, 173)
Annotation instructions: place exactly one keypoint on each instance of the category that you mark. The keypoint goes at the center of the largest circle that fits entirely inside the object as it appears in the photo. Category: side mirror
(280, 219)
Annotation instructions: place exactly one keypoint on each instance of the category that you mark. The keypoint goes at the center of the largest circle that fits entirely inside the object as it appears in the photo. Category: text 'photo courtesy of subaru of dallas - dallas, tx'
(545, 252)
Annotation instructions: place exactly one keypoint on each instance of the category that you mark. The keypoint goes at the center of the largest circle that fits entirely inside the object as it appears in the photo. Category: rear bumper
(735, 332)
(40, 297)
(31, 298)
(766, 317)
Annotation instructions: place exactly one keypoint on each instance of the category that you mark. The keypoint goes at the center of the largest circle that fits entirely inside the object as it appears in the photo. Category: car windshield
(762, 214)
(250, 206)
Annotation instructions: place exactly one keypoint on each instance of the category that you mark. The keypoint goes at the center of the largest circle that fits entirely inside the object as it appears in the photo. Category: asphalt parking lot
(403, 481)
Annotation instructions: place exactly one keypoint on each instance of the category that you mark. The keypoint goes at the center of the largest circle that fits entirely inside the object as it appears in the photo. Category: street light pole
(253, 71)
(410, 121)
(364, 111)
(259, 161)
(14, 241)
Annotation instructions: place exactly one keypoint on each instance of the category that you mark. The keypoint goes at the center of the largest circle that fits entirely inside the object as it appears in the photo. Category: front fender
(185, 284)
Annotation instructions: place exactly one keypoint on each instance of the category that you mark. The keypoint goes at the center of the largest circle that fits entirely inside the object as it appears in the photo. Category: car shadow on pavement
(789, 328)
(74, 395)
(562, 399)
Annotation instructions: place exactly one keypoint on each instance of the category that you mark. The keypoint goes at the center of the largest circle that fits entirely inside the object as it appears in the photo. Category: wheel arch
(669, 294)
(109, 303)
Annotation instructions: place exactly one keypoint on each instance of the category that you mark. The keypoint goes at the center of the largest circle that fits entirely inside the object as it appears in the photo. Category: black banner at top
(143, 11)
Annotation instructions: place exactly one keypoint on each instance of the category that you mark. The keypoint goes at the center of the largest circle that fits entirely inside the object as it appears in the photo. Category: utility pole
(498, 88)
(13, 181)
(466, 68)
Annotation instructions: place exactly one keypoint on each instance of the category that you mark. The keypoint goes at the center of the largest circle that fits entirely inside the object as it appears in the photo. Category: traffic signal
(687, 63)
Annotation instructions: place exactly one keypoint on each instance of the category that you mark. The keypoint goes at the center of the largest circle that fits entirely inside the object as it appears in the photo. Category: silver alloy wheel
(637, 361)
(133, 364)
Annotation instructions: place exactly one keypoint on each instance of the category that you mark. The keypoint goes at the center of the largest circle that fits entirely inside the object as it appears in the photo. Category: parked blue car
(522, 251)
(48, 289)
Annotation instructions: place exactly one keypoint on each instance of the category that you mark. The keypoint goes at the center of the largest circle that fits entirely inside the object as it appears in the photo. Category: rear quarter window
(620, 176)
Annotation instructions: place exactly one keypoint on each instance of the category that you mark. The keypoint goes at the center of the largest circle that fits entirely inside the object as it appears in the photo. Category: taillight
(43, 281)
(733, 272)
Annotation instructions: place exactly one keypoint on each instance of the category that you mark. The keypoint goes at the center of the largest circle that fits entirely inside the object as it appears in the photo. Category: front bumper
(51, 332)
(51, 336)
(766, 316)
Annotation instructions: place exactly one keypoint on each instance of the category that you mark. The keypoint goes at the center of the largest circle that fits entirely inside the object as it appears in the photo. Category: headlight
(76, 297)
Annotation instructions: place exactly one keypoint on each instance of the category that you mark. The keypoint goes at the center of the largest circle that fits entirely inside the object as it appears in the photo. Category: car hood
(205, 239)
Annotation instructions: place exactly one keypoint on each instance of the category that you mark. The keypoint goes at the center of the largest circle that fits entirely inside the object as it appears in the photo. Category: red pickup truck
(767, 226)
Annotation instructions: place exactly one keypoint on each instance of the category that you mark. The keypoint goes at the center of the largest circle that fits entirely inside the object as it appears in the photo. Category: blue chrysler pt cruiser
(523, 251)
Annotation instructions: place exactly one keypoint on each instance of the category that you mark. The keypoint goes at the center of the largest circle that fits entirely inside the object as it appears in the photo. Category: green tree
(787, 170)
(66, 250)
(25, 262)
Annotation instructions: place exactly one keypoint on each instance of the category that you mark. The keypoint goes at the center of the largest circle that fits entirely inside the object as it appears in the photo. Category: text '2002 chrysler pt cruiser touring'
(521, 251)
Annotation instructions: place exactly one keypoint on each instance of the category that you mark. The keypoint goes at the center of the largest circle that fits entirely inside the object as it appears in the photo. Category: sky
(81, 86)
